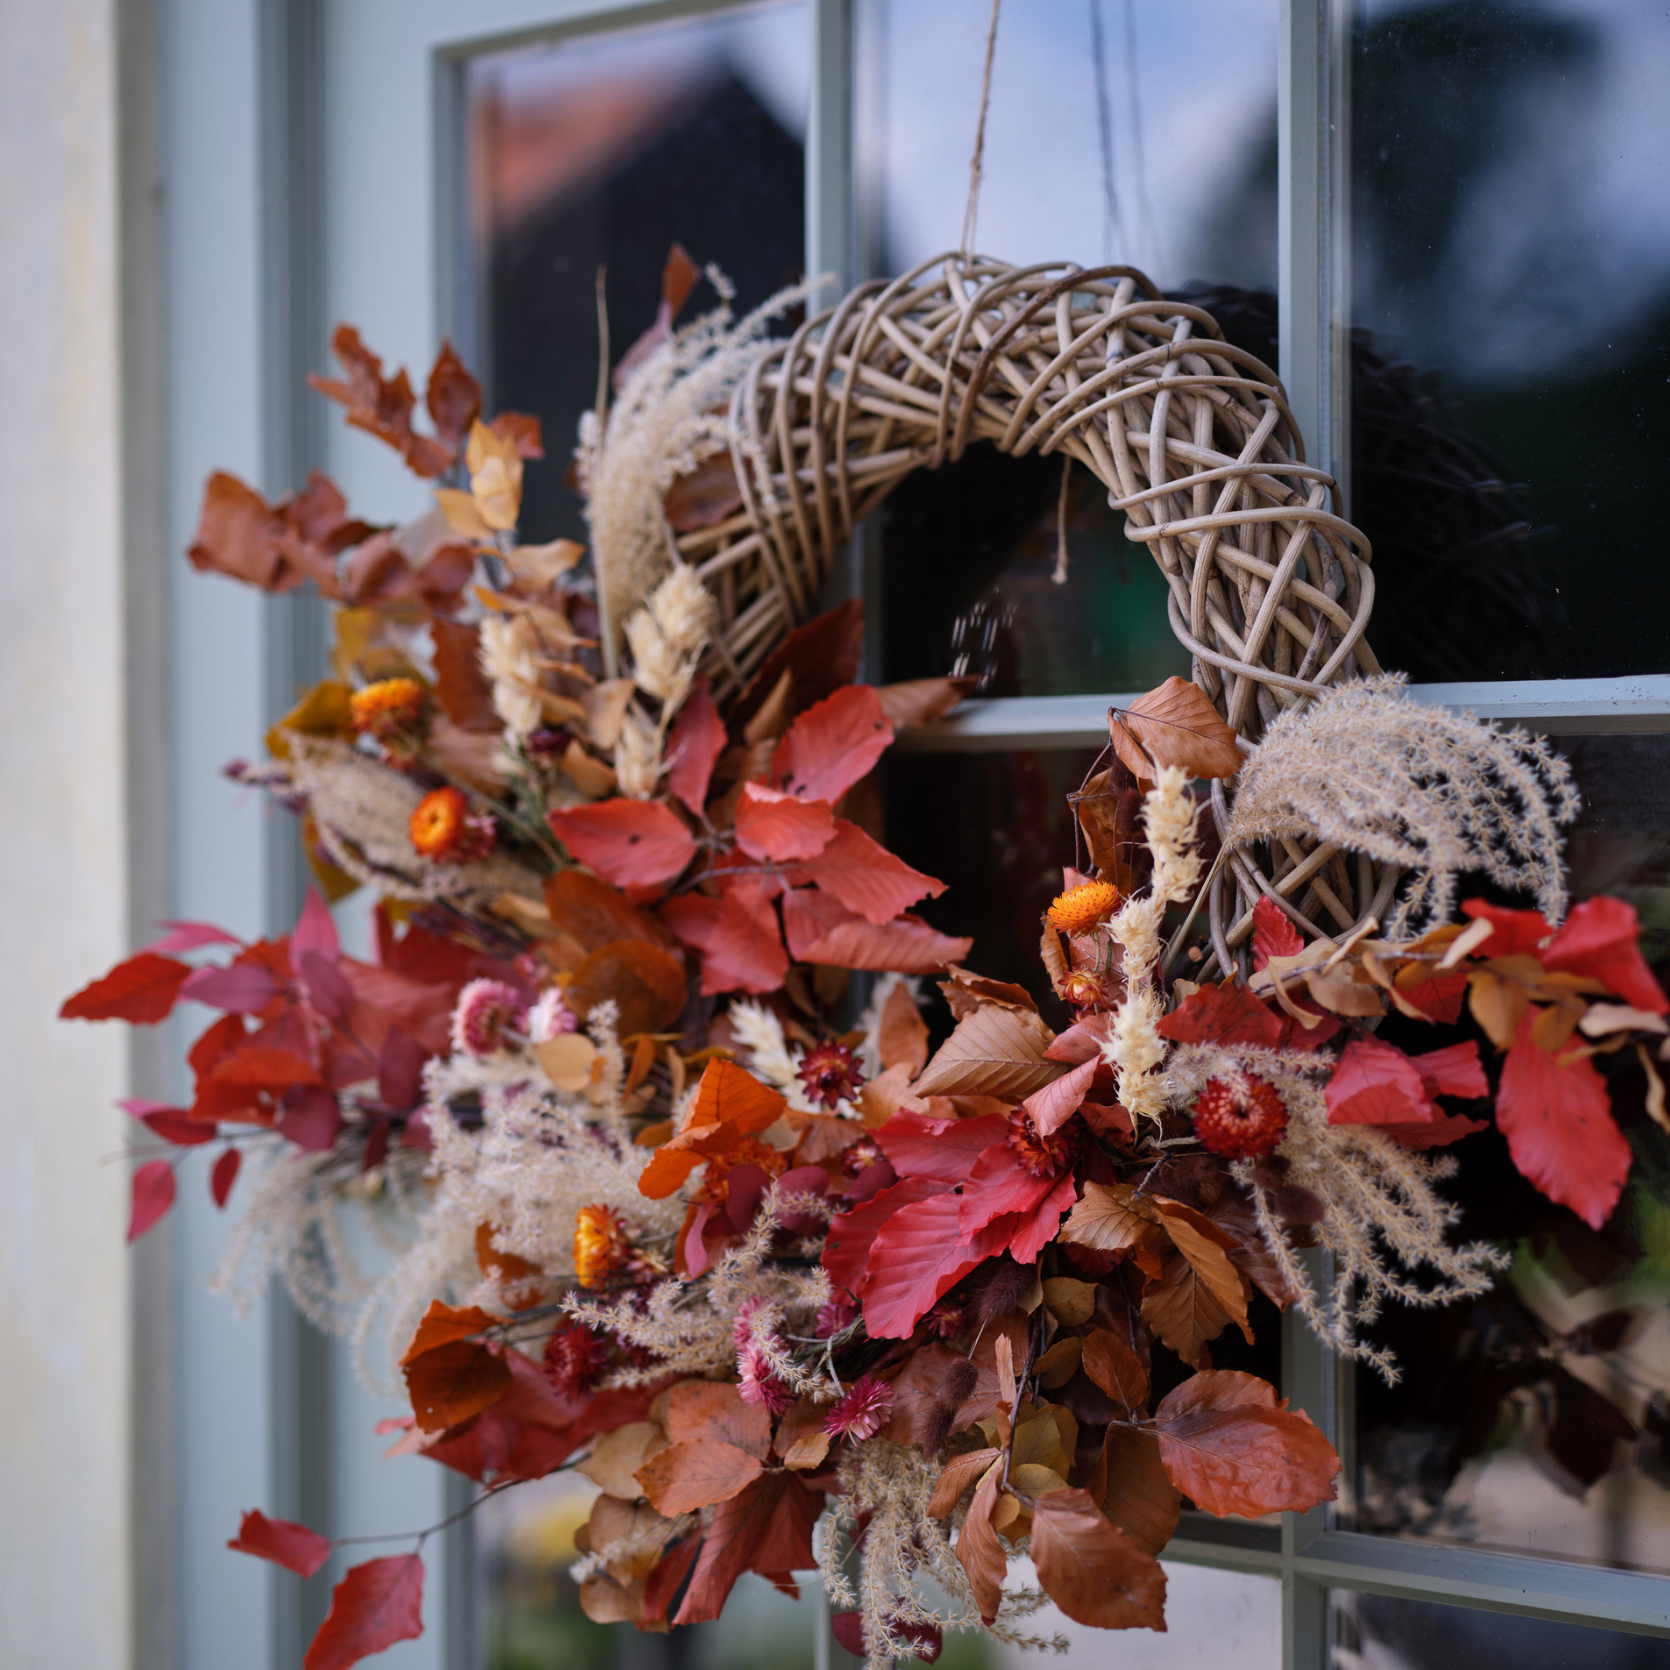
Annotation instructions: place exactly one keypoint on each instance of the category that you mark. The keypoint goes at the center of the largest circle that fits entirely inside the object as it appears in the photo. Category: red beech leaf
(917, 1257)
(1115, 1366)
(1174, 724)
(924, 1641)
(462, 689)
(1376, 1084)
(821, 929)
(523, 431)
(820, 656)
(865, 877)
(694, 745)
(737, 936)
(1233, 1448)
(1560, 1130)
(283, 1542)
(593, 914)
(832, 744)
(1092, 1569)
(450, 1383)
(1602, 938)
(1056, 1103)
(1140, 1498)
(779, 827)
(375, 1605)
(1454, 1071)
(221, 1179)
(713, 1410)
(1273, 933)
(177, 1126)
(684, 1477)
(853, 1233)
(631, 843)
(918, 1146)
(153, 1194)
(1227, 1014)
(143, 990)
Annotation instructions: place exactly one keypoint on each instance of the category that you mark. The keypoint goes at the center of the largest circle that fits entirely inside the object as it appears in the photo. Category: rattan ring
(1270, 592)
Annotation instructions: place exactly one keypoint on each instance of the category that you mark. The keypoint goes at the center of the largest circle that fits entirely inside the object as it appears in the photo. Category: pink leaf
(242, 989)
(694, 745)
(630, 843)
(191, 936)
(1453, 1071)
(311, 1119)
(779, 827)
(832, 744)
(153, 1194)
(374, 1606)
(315, 930)
(1058, 1101)
(283, 1542)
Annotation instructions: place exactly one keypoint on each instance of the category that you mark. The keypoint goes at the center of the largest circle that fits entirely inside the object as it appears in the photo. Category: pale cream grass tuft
(666, 636)
(1435, 793)
(671, 415)
(1383, 1221)
(510, 657)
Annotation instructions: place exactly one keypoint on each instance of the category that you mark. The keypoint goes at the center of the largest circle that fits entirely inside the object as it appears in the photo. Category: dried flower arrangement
(659, 1216)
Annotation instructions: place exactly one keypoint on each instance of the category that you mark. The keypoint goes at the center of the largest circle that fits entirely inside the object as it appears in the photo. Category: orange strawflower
(1079, 909)
(392, 710)
(600, 1245)
(443, 827)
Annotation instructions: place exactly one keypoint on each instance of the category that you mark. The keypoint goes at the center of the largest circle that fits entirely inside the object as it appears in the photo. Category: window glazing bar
(1553, 707)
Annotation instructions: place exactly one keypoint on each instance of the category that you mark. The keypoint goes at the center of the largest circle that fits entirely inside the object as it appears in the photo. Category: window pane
(1510, 261)
(1375, 1632)
(1183, 93)
(601, 151)
(1535, 1419)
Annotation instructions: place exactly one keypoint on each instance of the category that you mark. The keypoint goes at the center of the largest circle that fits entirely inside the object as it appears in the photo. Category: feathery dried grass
(1436, 793)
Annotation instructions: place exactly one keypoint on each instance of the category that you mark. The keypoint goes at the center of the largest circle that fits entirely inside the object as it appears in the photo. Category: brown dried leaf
(1140, 1497)
(993, 1052)
(1111, 1217)
(1095, 1572)
(979, 1550)
(1070, 1301)
(1114, 1366)
(684, 1477)
(616, 1457)
(960, 1472)
(1175, 724)
(902, 1034)
(920, 701)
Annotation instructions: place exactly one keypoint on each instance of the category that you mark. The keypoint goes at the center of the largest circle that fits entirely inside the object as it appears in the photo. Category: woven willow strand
(1270, 592)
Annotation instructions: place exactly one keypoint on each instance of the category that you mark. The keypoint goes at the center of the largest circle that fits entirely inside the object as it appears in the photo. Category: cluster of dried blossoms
(658, 1216)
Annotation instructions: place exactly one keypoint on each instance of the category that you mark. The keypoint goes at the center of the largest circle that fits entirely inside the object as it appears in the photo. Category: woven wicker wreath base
(1269, 591)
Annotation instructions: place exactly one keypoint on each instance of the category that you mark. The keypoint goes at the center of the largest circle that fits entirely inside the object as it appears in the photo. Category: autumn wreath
(760, 1249)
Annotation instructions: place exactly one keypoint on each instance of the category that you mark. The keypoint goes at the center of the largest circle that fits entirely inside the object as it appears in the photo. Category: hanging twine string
(977, 161)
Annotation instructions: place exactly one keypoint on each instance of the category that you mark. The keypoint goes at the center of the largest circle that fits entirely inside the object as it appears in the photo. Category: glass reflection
(1535, 1420)
(1375, 1632)
(599, 152)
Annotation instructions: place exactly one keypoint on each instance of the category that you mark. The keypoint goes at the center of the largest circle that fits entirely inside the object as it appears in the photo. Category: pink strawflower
(863, 1412)
(489, 1018)
(757, 1381)
(742, 1329)
(551, 1017)
(832, 1318)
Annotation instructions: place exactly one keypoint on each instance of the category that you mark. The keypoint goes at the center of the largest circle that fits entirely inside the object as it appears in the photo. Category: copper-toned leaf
(1174, 724)
(777, 826)
(920, 701)
(632, 843)
(375, 1605)
(461, 687)
(801, 1438)
(684, 1477)
(452, 1382)
(616, 1457)
(1232, 1447)
(865, 877)
(282, 1541)
(960, 1472)
(381, 406)
(729, 1103)
(453, 396)
(593, 914)
(1109, 810)
(1114, 1365)
(993, 1052)
(1112, 1216)
(645, 982)
(1093, 1570)
(979, 1550)
(713, 1409)
(1140, 1497)
(705, 496)
(831, 745)
(901, 1033)
(767, 1528)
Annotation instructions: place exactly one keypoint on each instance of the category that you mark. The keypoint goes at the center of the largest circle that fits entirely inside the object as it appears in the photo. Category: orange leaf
(902, 1034)
(729, 1103)
(1111, 1217)
(684, 1477)
(593, 914)
(1175, 724)
(375, 1605)
(442, 1325)
(632, 843)
(1091, 1569)
(450, 1383)
(820, 929)
(960, 1472)
(713, 1410)
(832, 744)
(1233, 1448)
(1140, 1497)
(1115, 1366)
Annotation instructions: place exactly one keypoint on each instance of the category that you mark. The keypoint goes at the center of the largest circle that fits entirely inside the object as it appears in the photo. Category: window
(1460, 208)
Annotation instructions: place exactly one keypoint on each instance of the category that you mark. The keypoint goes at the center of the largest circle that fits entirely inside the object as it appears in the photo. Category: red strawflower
(861, 1156)
(863, 1412)
(830, 1074)
(1240, 1122)
(1043, 1156)
(575, 1359)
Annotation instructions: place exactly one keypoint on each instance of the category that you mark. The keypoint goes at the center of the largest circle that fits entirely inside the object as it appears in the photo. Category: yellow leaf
(1497, 1004)
(590, 776)
(567, 1060)
(323, 711)
(462, 516)
(1070, 1301)
(536, 566)
(495, 477)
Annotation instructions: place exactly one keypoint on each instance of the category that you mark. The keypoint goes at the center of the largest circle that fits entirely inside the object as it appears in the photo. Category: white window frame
(246, 247)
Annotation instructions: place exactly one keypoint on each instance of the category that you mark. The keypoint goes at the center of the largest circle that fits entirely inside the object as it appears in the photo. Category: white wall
(66, 881)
